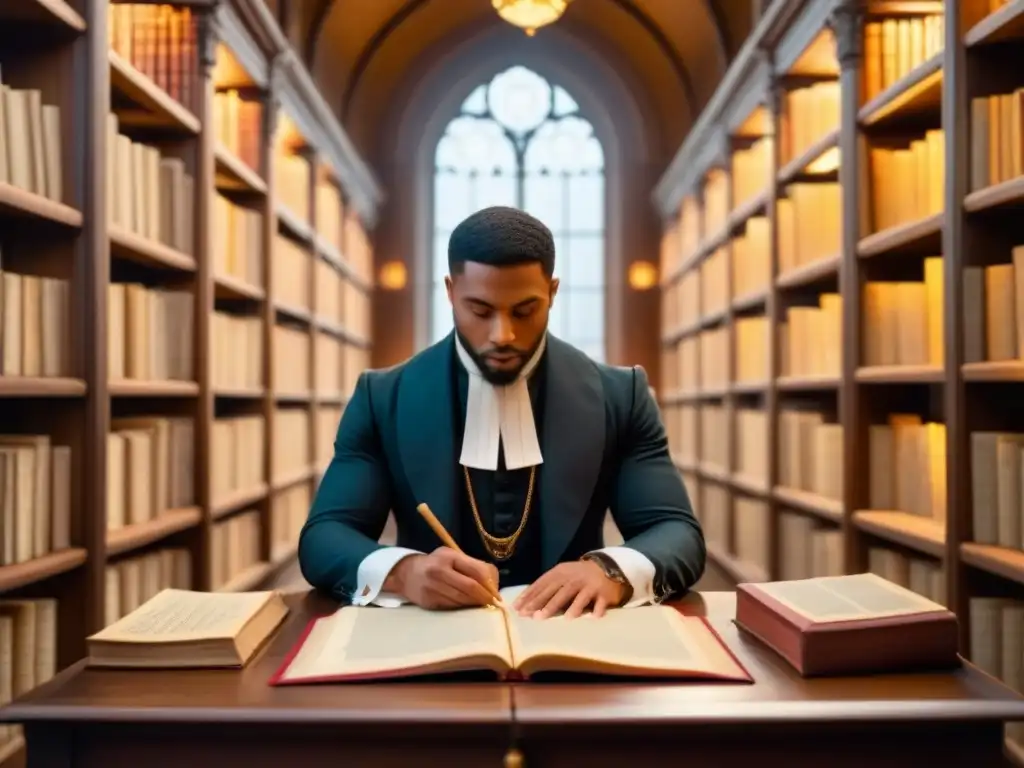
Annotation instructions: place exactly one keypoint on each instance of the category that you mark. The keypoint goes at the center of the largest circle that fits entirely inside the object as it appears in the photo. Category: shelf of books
(843, 308)
(186, 280)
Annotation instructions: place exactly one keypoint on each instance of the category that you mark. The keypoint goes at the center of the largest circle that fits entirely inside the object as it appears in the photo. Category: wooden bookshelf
(893, 410)
(143, 380)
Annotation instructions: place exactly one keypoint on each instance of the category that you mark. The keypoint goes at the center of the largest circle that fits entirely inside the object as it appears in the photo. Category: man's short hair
(501, 237)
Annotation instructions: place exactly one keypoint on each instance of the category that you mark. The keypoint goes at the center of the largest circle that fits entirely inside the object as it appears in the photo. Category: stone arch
(621, 121)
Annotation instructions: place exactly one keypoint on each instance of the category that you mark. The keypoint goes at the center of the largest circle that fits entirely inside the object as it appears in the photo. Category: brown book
(873, 76)
(1000, 313)
(974, 314)
(183, 629)
(841, 625)
(979, 146)
(60, 497)
(650, 641)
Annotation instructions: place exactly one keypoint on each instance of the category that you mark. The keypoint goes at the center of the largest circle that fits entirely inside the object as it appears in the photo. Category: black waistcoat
(501, 495)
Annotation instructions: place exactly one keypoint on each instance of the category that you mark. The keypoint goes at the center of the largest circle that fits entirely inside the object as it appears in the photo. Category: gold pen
(449, 542)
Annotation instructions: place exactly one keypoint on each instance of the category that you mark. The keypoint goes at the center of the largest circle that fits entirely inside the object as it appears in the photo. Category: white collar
(499, 415)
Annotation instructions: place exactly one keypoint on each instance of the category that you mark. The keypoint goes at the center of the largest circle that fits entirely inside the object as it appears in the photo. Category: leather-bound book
(844, 625)
(182, 629)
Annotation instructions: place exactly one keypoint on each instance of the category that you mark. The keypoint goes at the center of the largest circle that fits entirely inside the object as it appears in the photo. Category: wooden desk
(87, 718)
(934, 720)
(110, 719)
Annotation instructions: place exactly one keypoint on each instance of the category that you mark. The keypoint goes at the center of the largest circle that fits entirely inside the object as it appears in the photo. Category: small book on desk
(180, 629)
(369, 643)
(839, 625)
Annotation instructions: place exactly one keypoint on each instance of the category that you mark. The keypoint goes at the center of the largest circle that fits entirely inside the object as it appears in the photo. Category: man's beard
(491, 376)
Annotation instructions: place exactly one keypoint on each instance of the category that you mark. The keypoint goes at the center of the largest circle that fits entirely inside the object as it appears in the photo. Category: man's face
(501, 314)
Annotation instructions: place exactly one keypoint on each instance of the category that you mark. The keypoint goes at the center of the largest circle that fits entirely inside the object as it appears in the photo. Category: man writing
(518, 442)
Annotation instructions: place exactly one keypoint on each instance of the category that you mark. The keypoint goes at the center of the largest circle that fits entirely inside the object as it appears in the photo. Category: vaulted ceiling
(364, 52)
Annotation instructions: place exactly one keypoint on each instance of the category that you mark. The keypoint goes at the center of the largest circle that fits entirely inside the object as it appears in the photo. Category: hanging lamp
(530, 15)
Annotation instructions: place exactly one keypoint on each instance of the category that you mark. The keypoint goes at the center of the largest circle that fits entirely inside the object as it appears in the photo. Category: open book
(179, 628)
(367, 643)
(848, 624)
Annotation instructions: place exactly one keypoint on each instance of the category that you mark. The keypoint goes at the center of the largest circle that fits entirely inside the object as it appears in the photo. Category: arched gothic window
(521, 141)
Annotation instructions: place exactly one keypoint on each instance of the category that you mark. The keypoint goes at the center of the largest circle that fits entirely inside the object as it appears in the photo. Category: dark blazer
(604, 448)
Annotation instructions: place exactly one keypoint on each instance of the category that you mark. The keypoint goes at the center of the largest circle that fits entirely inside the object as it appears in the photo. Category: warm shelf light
(530, 15)
(826, 162)
(392, 276)
(643, 275)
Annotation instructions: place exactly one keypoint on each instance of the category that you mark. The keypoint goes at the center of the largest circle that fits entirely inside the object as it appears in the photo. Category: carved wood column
(209, 39)
(271, 113)
(959, 242)
(774, 99)
(847, 24)
(92, 263)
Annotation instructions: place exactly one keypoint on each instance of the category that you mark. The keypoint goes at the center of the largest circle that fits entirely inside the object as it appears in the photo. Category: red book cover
(842, 625)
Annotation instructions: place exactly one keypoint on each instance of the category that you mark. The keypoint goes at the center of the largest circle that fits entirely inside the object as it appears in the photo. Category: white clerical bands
(499, 415)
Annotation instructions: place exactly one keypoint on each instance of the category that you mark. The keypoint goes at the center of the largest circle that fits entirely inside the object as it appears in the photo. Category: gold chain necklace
(500, 548)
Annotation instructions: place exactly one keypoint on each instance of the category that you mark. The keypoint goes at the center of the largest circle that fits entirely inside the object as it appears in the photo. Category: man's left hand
(572, 587)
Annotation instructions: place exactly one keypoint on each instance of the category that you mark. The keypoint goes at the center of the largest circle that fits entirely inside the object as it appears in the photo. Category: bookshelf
(185, 282)
(888, 269)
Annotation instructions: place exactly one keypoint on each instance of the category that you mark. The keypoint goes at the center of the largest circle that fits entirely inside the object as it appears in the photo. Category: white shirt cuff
(374, 571)
(638, 570)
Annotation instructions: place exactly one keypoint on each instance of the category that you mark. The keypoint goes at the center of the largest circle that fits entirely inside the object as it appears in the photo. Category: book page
(847, 598)
(509, 594)
(370, 640)
(650, 638)
(178, 615)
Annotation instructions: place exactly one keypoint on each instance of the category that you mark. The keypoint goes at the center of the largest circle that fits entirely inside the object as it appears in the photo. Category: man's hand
(572, 587)
(444, 579)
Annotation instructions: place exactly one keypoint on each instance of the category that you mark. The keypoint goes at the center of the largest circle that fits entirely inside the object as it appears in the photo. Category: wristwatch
(611, 571)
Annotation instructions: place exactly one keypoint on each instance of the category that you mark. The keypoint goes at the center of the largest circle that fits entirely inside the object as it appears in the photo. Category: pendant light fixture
(530, 15)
